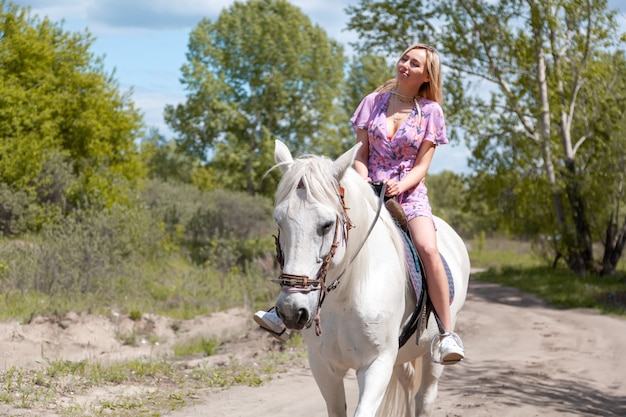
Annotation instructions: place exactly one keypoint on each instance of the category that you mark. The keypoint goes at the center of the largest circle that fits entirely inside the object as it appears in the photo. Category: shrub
(128, 258)
(14, 210)
(86, 252)
(220, 228)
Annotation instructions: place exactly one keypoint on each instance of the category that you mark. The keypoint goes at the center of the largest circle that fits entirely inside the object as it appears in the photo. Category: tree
(67, 132)
(260, 72)
(163, 160)
(451, 200)
(521, 76)
(367, 72)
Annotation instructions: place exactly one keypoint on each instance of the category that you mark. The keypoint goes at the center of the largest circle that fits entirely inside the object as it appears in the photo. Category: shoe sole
(261, 323)
(282, 336)
(451, 359)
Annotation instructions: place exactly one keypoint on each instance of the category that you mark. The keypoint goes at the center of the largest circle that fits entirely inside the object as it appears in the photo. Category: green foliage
(451, 199)
(392, 19)
(58, 105)
(24, 209)
(17, 209)
(84, 253)
(501, 252)
(164, 161)
(520, 264)
(181, 252)
(205, 178)
(219, 228)
(135, 315)
(261, 71)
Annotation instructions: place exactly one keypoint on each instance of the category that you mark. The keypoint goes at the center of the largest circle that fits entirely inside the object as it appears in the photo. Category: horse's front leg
(330, 383)
(373, 381)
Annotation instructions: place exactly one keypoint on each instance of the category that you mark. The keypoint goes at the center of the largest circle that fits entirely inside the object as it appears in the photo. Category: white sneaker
(270, 321)
(451, 349)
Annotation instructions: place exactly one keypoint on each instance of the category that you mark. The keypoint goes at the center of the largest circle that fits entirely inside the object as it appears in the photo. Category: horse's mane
(313, 173)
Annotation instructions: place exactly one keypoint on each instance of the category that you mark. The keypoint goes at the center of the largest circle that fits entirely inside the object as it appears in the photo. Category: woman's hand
(393, 188)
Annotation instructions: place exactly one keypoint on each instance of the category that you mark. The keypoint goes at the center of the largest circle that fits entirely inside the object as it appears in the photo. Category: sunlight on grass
(158, 384)
(196, 346)
(497, 252)
(513, 263)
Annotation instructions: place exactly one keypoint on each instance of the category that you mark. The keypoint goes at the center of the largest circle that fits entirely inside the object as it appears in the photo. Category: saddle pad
(415, 269)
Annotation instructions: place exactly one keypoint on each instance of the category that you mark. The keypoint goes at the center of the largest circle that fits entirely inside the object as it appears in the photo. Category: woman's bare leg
(425, 241)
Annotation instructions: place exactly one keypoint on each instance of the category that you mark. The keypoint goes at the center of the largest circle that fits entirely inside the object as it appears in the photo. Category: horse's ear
(345, 161)
(282, 156)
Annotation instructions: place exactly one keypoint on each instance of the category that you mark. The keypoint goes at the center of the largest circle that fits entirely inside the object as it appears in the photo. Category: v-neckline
(387, 135)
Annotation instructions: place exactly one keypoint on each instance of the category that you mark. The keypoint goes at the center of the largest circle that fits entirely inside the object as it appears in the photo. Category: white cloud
(124, 16)
(57, 10)
(152, 14)
(127, 17)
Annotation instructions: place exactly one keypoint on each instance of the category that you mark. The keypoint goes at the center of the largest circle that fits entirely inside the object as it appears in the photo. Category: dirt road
(523, 359)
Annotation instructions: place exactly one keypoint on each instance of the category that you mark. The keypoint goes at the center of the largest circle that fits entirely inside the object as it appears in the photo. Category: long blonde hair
(433, 89)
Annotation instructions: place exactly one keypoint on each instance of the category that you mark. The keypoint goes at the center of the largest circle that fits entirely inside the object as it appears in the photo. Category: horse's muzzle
(296, 321)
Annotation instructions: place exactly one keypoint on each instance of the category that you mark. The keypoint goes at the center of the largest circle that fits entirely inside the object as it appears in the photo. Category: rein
(301, 283)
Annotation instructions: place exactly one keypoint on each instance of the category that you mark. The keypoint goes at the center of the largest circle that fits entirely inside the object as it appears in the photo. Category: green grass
(499, 252)
(514, 264)
(171, 287)
(153, 385)
(563, 289)
(196, 346)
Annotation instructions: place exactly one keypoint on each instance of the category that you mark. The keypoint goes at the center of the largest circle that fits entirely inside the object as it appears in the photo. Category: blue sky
(145, 42)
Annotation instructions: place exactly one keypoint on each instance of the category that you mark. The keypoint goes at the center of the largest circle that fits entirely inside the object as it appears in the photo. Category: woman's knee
(428, 250)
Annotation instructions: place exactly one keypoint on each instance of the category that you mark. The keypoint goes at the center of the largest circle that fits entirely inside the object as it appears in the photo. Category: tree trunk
(614, 240)
(545, 129)
(580, 255)
(613, 252)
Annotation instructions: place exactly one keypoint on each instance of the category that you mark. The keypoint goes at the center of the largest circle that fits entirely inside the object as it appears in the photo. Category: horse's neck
(372, 263)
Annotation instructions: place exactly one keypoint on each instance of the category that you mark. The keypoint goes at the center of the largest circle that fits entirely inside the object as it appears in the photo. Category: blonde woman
(399, 126)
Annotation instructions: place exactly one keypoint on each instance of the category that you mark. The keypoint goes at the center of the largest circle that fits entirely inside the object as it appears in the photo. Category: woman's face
(411, 70)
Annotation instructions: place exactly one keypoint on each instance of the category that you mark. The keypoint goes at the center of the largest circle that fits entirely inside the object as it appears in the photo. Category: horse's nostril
(303, 317)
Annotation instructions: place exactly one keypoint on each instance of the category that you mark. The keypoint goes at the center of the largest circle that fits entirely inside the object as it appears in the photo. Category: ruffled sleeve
(435, 125)
(363, 112)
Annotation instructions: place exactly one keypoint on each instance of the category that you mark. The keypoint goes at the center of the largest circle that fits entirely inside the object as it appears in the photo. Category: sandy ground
(523, 359)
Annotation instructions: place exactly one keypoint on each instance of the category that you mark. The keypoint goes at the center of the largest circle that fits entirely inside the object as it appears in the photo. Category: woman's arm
(362, 156)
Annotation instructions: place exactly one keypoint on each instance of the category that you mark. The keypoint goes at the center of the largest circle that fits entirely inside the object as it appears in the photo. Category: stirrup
(434, 347)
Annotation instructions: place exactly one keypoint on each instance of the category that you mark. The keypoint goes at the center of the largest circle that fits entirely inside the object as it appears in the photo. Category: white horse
(344, 284)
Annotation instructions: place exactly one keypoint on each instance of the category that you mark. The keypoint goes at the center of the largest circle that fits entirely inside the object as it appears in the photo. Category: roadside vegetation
(518, 264)
(140, 387)
(180, 252)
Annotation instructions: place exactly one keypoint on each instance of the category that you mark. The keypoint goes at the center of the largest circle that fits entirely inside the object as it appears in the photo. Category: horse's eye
(326, 226)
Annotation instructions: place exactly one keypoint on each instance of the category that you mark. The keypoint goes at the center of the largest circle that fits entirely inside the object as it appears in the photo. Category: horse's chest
(353, 337)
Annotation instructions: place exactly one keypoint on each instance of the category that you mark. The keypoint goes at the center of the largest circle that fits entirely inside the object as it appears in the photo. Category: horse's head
(312, 230)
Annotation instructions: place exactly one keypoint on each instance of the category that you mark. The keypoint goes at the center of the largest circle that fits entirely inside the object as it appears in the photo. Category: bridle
(302, 283)
(291, 283)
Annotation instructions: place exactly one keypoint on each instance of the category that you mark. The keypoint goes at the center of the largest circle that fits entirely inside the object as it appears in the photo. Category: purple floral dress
(393, 157)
